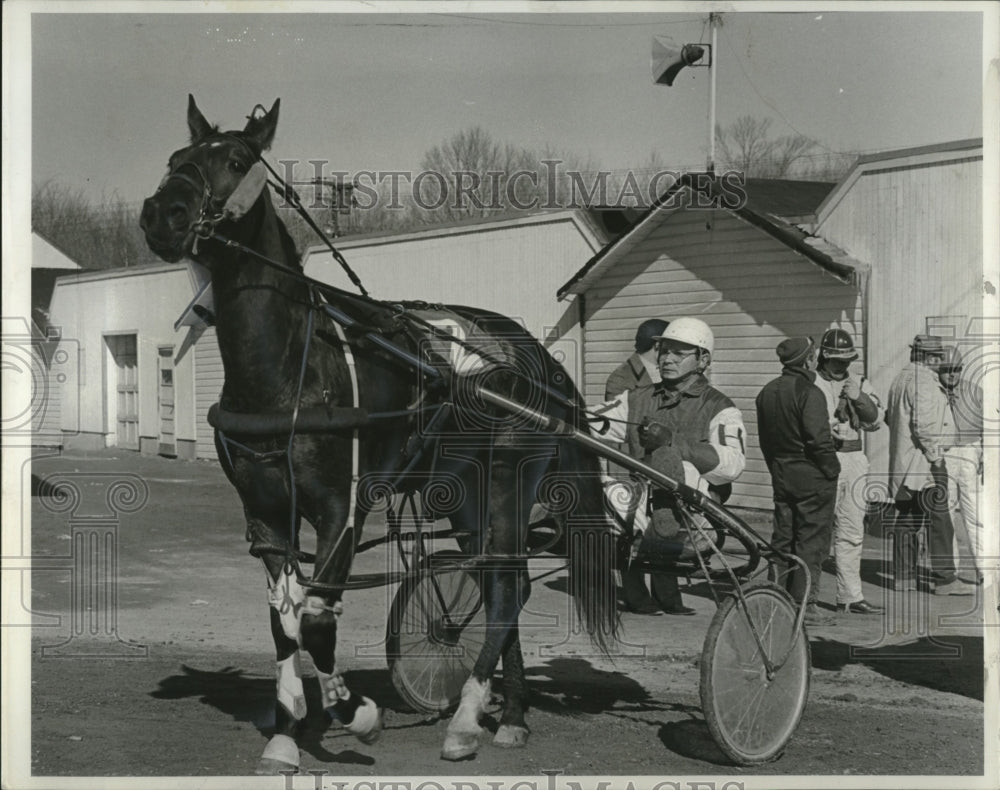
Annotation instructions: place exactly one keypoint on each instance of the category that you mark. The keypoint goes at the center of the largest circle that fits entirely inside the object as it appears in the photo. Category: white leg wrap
(314, 605)
(475, 695)
(367, 723)
(286, 596)
(290, 691)
(332, 688)
(462, 737)
(281, 749)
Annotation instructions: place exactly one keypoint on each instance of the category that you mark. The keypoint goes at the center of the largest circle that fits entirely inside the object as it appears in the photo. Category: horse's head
(215, 179)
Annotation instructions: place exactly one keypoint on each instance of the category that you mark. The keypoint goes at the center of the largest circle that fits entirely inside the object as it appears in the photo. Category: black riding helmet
(837, 344)
(648, 333)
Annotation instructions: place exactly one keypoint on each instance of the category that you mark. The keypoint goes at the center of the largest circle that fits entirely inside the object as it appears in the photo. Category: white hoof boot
(462, 738)
(281, 756)
(459, 745)
(511, 737)
(367, 723)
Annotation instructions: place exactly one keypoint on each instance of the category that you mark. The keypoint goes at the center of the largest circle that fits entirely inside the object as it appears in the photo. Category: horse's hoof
(459, 746)
(366, 725)
(510, 736)
(281, 756)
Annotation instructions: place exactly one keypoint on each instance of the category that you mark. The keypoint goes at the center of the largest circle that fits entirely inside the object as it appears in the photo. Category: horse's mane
(288, 246)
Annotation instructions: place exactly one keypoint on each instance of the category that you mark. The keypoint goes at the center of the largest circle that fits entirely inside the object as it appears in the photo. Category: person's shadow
(573, 687)
(953, 664)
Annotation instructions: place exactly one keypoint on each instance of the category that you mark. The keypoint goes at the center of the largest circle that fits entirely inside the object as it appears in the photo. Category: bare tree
(473, 175)
(746, 145)
(103, 236)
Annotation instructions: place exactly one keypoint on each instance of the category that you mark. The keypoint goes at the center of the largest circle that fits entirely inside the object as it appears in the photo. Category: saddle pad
(470, 351)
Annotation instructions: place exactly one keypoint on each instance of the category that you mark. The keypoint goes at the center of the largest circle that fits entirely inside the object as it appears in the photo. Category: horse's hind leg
(513, 731)
(505, 592)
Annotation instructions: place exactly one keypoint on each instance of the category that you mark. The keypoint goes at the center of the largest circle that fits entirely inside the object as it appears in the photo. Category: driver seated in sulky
(684, 428)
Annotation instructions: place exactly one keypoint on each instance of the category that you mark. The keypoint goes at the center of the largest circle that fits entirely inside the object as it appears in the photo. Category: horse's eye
(235, 166)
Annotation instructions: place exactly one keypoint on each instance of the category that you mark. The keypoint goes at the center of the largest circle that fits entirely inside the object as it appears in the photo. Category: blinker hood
(246, 194)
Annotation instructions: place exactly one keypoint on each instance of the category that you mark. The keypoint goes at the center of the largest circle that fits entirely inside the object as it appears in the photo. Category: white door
(168, 445)
(126, 378)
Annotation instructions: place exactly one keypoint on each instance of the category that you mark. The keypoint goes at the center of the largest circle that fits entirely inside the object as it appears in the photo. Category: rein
(244, 197)
(309, 419)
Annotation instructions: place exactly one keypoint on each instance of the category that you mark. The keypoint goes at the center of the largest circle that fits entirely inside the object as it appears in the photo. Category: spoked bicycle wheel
(752, 712)
(435, 631)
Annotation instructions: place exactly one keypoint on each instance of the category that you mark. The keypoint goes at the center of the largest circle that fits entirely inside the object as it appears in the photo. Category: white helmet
(692, 331)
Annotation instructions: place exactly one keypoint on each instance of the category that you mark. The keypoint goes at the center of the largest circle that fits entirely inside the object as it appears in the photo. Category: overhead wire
(777, 110)
(508, 21)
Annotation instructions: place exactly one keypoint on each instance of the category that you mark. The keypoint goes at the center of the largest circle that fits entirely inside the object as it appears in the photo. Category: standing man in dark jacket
(795, 438)
(640, 369)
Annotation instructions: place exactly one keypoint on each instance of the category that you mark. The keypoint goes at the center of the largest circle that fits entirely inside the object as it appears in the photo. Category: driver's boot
(667, 594)
(635, 596)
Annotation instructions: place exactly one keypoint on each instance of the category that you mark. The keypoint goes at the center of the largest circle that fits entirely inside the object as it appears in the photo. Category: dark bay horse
(286, 360)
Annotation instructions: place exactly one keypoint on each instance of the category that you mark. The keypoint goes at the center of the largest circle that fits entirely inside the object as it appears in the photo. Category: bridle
(211, 211)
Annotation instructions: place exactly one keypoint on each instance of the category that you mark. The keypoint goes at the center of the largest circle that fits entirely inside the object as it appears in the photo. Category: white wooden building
(512, 265)
(893, 250)
(124, 319)
(747, 271)
(132, 376)
(48, 361)
(916, 217)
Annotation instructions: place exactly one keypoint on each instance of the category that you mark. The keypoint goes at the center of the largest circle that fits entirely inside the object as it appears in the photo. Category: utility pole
(714, 22)
(341, 200)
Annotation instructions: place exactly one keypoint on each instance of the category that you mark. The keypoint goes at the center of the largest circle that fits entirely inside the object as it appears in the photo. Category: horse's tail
(591, 547)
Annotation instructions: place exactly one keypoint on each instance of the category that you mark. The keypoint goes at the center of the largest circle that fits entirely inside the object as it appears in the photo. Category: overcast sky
(375, 91)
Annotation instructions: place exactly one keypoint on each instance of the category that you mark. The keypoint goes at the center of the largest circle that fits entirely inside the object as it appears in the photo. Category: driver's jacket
(702, 420)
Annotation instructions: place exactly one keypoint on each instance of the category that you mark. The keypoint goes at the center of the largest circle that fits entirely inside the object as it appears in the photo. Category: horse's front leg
(285, 598)
(359, 715)
(318, 632)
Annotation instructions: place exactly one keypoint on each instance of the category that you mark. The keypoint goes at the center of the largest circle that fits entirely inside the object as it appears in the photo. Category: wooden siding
(919, 226)
(90, 306)
(48, 376)
(749, 288)
(514, 270)
(208, 380)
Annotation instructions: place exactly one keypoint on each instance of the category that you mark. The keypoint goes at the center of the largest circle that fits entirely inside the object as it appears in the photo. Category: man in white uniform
(853, 408)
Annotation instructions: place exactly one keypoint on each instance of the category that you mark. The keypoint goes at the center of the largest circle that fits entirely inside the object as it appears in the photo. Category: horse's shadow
(250, 698)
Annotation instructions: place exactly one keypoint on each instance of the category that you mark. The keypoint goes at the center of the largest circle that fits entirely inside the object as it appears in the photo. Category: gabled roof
(764, 203)
(597, 224)
(786, 198)
(901, 158)
(46, 255)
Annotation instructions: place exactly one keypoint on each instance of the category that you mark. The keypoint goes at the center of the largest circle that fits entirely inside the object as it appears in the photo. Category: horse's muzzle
(167, 224)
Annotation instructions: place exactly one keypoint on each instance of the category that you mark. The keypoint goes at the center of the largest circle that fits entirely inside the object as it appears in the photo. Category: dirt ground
(178, 680)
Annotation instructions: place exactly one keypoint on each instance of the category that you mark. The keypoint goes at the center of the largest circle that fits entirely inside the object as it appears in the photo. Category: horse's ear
(261, 130)
(197, 124)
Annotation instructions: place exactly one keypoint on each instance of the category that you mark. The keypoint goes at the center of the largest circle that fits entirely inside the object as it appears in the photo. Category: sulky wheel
(435, 632)
(750, 712)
